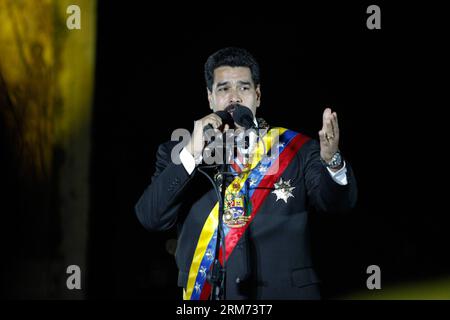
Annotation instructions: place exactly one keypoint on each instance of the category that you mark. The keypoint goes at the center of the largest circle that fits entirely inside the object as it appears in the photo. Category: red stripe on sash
(206, 291)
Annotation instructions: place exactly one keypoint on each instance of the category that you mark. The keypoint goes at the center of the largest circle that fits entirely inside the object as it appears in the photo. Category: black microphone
(243, 116)
(226, 119)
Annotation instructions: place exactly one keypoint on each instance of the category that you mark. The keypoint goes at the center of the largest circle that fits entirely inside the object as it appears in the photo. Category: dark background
(310, 57)
(382, 83)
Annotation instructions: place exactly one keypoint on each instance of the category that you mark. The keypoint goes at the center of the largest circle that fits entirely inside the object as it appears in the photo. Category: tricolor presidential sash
(282, 145)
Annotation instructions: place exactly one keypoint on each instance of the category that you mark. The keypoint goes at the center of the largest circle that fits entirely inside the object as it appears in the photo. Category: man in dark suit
(266, 230)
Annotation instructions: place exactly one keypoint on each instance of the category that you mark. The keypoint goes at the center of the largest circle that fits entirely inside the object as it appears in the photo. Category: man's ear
(258, 95)
(210, 99)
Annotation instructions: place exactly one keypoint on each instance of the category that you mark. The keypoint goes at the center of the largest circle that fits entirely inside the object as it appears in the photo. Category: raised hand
(329, 135)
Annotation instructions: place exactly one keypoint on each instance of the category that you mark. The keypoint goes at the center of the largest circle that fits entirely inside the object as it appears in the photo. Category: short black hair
(232, 57)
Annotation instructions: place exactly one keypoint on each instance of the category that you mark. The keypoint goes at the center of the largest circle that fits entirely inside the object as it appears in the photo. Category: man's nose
(235, 98)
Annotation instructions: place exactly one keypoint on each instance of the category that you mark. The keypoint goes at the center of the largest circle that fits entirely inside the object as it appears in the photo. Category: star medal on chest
(283, 190)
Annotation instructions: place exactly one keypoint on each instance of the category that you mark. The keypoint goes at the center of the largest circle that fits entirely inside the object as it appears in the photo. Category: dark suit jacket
(272, 260)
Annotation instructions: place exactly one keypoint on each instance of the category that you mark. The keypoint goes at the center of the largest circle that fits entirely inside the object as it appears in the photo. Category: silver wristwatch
(335, 162)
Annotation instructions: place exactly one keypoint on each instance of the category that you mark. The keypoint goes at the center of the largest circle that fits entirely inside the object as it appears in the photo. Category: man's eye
(245, 88)
(222, 89)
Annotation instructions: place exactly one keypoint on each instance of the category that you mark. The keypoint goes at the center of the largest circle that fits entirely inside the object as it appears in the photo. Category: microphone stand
(218, 272)
(217, 277)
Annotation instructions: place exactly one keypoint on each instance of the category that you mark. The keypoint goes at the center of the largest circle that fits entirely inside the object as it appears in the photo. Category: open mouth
(230, 109)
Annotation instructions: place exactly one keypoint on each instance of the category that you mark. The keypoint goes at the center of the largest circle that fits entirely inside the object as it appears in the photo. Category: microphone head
(243, 116)
(226, 118)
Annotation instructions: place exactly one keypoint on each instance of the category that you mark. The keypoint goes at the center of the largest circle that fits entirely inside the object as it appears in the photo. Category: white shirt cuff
(188, 161)
(340, 176)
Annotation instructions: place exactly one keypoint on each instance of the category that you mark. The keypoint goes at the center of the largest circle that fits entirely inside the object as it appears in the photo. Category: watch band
(335, 162)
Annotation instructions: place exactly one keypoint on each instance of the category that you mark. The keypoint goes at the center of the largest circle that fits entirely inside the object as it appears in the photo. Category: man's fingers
(334, 122)
(322, 136)
(217, 121)
(329, 132)
(330, 124)
(326, 114)
(213, 120)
